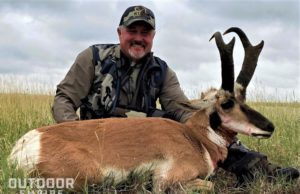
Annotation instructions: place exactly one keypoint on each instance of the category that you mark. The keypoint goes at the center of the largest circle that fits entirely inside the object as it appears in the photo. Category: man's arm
(73, 88)
(171, 93)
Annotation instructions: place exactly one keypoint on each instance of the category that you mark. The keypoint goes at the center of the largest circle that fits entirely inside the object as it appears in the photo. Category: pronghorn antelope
(174, 152)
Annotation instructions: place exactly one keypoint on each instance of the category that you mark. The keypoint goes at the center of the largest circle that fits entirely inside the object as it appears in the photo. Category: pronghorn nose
(270, 127)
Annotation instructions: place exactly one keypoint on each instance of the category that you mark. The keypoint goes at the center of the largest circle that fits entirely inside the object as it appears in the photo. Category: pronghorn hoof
(199, 184)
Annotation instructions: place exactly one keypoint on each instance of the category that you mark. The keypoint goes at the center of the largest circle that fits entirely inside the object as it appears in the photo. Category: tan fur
(85, 149)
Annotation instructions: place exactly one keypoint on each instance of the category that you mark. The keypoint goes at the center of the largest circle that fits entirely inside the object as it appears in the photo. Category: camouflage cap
(137, 13)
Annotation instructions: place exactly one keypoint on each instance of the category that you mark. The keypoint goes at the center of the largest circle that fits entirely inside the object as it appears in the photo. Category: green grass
(19, 114)
(22, 112)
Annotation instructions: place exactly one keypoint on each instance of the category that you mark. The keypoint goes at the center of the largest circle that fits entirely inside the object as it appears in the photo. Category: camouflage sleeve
(73, 88)
(171, 92)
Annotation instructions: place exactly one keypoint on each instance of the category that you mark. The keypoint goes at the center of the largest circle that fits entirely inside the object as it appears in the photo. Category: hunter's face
(136, 40)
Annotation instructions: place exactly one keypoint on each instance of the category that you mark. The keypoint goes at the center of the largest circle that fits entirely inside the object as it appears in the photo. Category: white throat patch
(214, 137)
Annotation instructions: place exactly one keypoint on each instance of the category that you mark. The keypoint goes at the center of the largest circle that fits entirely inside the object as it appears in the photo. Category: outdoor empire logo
(41, 185)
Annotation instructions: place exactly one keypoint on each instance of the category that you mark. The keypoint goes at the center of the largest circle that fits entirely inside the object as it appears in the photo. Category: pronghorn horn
(226, 51)
(250, 60)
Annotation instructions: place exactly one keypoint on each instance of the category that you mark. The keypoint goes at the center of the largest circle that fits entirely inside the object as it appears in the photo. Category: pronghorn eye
(227, 104)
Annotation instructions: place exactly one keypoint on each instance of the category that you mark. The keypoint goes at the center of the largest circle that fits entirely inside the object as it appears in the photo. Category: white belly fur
(160, 167)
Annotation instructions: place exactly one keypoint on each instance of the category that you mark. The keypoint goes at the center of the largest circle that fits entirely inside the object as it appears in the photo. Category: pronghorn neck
(219, 151)
(215, 123)
(204, 134)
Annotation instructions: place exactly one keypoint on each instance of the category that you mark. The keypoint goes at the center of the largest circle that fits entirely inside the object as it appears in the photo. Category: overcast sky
(40, 40)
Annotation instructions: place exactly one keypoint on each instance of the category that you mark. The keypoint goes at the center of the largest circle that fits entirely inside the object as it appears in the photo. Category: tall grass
(19, 113)
(22, 112)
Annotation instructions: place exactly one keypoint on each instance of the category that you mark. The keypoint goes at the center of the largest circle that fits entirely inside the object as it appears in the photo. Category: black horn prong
(226, 51)
(249, 63)
(244, 39)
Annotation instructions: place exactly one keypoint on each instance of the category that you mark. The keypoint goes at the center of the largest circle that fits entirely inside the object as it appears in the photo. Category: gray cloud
(43, 37)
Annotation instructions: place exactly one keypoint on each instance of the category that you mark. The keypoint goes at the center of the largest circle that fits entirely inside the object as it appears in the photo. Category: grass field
(22, 112)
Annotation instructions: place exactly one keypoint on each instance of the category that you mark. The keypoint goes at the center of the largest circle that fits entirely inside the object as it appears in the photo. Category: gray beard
(136, 56)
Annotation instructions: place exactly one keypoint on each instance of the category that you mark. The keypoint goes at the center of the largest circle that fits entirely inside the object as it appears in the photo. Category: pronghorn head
(226, 107)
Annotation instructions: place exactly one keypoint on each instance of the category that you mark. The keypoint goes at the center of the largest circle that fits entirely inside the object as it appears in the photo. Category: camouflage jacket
(91, 85)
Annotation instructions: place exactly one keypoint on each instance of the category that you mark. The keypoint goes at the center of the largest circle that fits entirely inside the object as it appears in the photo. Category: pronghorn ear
(202, 95)
(240, 92)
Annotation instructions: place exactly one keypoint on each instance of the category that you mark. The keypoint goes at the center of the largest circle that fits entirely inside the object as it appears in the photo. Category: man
(112, 80)
(109, 80)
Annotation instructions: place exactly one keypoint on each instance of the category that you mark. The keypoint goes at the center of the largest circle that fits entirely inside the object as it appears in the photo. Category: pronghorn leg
(175, 179)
